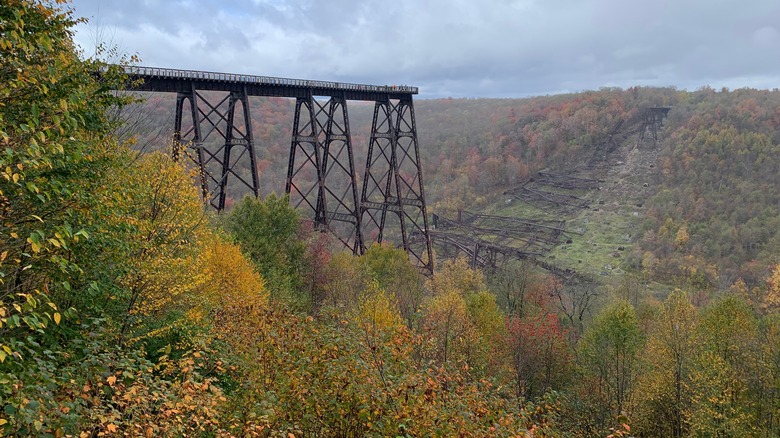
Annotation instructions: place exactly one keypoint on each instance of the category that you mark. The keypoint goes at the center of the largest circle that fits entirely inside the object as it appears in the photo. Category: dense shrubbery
(125, 311)
(128, 310)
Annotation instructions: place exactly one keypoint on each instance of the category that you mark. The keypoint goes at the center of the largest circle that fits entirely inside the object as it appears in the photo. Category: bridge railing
(171, 73)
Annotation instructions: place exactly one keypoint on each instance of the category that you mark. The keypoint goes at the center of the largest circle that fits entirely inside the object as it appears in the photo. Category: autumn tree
(664, 389)
(391, 269)
(462, 315)
(77, 271)
(346, 281)
(268, 232)
(724, 379)
(230, 292)
(769, 344)
(157, 226)
(540, 354)
(449, 325)
(771, 301)
(609, 361)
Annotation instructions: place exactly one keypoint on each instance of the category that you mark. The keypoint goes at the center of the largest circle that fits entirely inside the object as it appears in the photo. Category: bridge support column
(221, 138)
(393, 183)
(652, 123)
(321, 169)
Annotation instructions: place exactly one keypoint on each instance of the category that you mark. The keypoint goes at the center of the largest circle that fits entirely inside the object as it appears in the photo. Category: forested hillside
(714, 174)
(127, 308)
(713, 171)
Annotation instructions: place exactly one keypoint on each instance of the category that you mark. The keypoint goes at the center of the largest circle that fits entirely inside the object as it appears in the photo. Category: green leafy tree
(726, 374)
(609, 360)
(268, 232)
(393, 271)
(53, 131)
(61, 371)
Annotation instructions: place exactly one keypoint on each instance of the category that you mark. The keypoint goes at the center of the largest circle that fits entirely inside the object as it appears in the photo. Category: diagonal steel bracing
(212, 132)
(217, 140)
(321, 169)
(392, 183)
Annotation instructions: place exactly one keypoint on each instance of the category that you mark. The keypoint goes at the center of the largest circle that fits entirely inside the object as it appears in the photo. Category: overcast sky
(458, 48)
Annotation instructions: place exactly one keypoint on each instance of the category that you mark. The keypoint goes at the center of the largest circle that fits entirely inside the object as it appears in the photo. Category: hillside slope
(701, 205)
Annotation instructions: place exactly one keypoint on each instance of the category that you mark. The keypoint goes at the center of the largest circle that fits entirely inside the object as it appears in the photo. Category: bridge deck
(172, 80)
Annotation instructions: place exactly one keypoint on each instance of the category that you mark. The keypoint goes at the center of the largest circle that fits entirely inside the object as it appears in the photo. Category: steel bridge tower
(215, 133)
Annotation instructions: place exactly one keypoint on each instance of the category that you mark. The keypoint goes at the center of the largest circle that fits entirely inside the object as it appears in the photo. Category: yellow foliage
(376, 311)
(231, 294)
(739, 288)
(347, 279)
(156, 210)
(772, 297)
(649, 261)
(462, 316)
(456, 275)
(682, 237)
(754, 296)
(486, 314)
(668, 360)
(448, 322)
(229, 279)
(716, 396)
(177, 261)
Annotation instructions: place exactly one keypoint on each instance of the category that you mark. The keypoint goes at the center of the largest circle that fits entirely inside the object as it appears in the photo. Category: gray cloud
(492, 48)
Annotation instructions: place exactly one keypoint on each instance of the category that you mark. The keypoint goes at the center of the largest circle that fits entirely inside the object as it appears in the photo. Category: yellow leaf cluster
(448, 322)
(456, 275)
(682, 237)
(230, 280)
(772, 297)
(376, 311)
